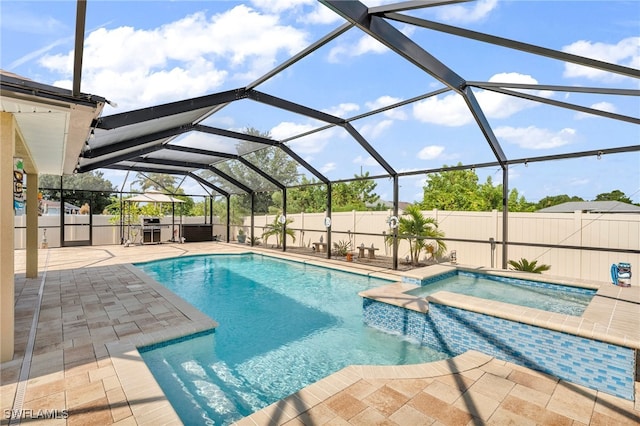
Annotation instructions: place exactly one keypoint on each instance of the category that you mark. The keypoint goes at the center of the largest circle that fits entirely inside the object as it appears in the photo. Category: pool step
(215, 388)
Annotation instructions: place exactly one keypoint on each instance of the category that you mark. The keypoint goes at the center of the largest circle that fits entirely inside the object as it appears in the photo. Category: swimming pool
(534, 294)
(283, 325)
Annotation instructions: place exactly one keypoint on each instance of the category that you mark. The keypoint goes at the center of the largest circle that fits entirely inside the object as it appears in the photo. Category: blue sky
(144, 53)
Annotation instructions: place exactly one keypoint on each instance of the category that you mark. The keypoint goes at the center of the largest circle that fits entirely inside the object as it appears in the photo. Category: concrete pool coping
(86, 361)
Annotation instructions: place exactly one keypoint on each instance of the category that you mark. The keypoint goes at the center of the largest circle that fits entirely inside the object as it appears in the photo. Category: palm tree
(526, 266)
(417, 229)
(276, 228)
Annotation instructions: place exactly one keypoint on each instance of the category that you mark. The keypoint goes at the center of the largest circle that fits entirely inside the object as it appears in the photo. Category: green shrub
(526, 266)
(341, 248)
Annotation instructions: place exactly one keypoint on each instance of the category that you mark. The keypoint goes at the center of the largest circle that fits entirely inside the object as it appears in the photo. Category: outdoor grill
(150, 230)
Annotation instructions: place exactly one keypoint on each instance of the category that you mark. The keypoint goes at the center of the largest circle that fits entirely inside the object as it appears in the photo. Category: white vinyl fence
(585, 230)
(594, 232)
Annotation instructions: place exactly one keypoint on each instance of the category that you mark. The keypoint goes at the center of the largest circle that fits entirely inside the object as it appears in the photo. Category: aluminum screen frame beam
(78, 49)
(232, 180)
(146, 114)
(133, 142)
(513, 44)
(555, 88)
(291, 153)
(411, 5)
(321, 116)
(301, 55)
(367, 147)
(208, 184)
(376, 27)
(293, 107)
(265, 141)
(197, 178)
(239, 158)
(485, 127)
(118, 158)
(233, 135)
(191, 165)
(566, 105)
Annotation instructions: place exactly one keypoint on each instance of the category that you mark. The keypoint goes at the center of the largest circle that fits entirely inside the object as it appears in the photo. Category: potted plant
(242, 236)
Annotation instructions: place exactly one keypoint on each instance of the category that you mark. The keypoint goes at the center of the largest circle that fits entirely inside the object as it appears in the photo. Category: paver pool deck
(95, 309)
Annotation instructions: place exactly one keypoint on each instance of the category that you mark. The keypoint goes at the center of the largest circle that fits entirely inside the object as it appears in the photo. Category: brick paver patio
(96, 309)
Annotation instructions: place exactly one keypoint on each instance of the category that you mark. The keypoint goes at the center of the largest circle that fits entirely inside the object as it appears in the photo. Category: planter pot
(242, 239)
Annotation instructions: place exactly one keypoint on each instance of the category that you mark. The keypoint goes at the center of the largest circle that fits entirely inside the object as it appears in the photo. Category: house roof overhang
(53, 123)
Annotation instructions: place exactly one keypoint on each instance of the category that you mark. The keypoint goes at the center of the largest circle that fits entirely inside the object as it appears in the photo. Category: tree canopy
(615, 195)
(460, 190)
(77, 189)
(356, 195)
(164, 183)
(554, 200)
(271, 160)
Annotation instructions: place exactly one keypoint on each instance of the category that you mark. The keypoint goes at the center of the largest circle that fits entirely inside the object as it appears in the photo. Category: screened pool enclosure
(296, 115)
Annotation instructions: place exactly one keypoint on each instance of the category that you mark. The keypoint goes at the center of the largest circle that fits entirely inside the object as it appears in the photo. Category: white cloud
(496, 105)
(430, 152)
(364, 45)
(579, 182)
(466, 14)
(320, 15)
(368, 161)
(535, 138)
(311, 144)
(26, 22)
(451, 109)
(188, 57)
(279, 6)
(375, 129)
(626, 52)
(602, 106)
(343, 110)
(38, 53)
(421, 183)
(209, 142)
(287, 129)
(383, 101)
(327, 168)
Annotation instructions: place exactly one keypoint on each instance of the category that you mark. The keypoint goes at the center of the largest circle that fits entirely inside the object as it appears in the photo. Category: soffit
(54, 125)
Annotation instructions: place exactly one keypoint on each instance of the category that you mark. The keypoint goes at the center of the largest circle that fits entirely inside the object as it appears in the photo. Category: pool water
(282, 326)
(549, 297)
